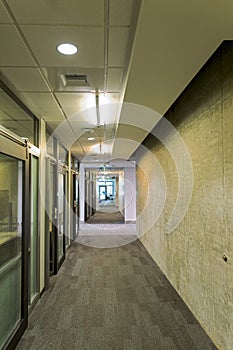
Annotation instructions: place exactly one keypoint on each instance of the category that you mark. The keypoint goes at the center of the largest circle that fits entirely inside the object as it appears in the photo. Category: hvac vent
(75, 80)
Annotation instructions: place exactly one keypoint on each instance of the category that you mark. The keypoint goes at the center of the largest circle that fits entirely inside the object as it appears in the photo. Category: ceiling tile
(75, 99)
(85, 119)
(54, 124)
(74, 103)
(78, 12)
(45, 104)
(120, 12)
(101, 134)
(118, 39)
(64, 132)
(80, 123)
(4, 18)
(44, 40)
(71, 111)
(13, 50)
(80, 101)
(109, 98)
(25, 79)
(109, 112)
(124, 148)
(114, 79)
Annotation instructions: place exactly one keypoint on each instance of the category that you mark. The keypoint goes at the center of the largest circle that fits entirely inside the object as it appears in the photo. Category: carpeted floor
(106, 235)
(101, 217)
(112, 299)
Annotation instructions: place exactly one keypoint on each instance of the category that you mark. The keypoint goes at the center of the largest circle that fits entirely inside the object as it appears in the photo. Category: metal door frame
(31, 305)
(13, 146)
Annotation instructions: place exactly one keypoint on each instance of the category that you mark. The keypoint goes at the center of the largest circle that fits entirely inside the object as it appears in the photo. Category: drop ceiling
(103, 31)
(173, 40)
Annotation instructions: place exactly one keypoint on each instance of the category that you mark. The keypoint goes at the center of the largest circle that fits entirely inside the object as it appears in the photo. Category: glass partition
(11, 201)
(63, 155)
(51, 144)
(15, 117)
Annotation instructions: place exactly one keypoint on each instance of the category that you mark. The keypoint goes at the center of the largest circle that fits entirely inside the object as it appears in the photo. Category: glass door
(14, 219)
(51, 219)
(102, 193)
(55, 218)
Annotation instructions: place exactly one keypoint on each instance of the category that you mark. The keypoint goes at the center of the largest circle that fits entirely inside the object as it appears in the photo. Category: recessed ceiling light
(67, 49)
(91, 138)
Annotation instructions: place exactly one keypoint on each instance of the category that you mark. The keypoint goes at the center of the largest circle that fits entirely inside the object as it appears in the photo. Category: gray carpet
(101, 217)
(112, 299)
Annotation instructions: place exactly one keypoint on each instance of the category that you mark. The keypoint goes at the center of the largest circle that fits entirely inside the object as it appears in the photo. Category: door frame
(13, 146)
(32, 304)
(50, 222)
(75, 199)
(60, 171)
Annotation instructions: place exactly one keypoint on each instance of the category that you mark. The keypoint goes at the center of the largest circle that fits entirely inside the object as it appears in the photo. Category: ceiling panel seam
(60, 25)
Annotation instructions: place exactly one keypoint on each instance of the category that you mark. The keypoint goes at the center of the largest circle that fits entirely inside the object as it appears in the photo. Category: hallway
(112, 299)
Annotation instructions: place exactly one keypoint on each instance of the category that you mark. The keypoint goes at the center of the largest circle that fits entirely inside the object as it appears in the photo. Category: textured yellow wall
(191, 256)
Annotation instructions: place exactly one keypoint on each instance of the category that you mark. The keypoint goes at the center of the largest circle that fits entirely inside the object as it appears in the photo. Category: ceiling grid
(34, 68)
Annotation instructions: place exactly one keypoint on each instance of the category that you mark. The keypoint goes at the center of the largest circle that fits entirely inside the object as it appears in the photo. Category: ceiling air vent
(79, 80)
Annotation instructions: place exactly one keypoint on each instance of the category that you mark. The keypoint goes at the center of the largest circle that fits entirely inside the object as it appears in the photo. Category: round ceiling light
(67, 49)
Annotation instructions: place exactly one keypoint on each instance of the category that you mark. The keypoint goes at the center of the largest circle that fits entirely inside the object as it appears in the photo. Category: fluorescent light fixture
(91, 138)
(67, 49)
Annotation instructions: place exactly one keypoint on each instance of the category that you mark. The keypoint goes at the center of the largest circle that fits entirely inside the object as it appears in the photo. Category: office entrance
(14, 235)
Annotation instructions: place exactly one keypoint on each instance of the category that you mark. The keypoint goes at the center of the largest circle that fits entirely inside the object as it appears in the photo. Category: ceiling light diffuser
(67, 49)
(91, 138)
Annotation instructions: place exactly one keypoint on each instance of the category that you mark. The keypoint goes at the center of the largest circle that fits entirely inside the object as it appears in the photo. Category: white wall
(121, 193)
(130, 194)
